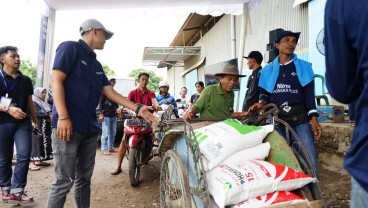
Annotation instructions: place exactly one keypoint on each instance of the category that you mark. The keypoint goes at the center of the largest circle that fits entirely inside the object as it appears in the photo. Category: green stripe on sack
(200, 140)
(242, 129)
(200, 137)
(196, 135)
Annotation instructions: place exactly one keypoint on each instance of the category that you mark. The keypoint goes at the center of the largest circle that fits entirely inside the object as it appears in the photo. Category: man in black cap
(288, 82)
(255, 59)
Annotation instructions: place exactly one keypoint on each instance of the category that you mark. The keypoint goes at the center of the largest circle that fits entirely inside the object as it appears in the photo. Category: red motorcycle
(139, 146)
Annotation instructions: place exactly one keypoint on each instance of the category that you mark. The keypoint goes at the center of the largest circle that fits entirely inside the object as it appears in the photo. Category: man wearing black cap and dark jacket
(255, 59)
(288, 82)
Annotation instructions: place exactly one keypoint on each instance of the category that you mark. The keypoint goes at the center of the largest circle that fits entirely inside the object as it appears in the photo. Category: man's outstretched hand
(145, 113)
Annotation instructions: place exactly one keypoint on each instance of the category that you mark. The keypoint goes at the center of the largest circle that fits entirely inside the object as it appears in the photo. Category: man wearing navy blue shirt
(288, 82)
(77, 82)
(346, 29)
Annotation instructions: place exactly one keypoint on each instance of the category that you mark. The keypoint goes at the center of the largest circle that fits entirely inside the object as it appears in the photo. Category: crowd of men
(287, 82)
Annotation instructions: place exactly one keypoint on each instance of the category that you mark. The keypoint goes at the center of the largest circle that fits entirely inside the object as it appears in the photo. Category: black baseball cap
(256, 55)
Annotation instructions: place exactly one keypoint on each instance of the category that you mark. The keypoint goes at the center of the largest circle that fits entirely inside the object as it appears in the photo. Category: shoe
(116, 171)
(41, 163)
(20, 198)
(5, 196)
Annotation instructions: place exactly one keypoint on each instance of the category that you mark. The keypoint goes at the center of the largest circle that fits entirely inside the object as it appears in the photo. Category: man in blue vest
(288, 82)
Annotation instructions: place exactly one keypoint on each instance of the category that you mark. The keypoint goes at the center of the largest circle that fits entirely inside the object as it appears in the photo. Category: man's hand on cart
(189, 114)
(257, 106)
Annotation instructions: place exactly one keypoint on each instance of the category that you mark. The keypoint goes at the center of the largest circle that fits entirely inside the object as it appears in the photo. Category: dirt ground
(115, 191)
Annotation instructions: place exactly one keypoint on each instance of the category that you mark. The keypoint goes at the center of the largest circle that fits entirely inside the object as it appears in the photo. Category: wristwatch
(137, 109)
(6, 109)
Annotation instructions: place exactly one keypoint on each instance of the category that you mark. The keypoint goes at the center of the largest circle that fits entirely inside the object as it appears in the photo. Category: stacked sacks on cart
(218, 141)
(259, 151)
(278, 198)
(232, 156)
(247, 184)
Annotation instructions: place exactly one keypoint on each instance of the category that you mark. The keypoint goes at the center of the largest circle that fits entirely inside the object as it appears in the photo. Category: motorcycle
(139, 146)
(182, 107)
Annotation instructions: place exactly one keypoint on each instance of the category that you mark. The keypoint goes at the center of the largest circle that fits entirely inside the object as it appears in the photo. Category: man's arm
(101, 106)
(111, 94)
(64, 124)
(264, 98)
(31, 108)
(155, 104)
(310, 104)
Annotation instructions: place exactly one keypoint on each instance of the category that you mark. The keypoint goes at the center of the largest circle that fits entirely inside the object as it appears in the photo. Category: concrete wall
(335, 141)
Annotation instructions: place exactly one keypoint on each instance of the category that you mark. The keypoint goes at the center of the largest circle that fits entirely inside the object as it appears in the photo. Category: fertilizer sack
(220, 140)
(282, 198)
(259, 152)
(236, 182)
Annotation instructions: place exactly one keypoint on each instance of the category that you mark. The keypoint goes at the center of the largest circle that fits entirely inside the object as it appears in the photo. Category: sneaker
(20, 198)
(5, 196)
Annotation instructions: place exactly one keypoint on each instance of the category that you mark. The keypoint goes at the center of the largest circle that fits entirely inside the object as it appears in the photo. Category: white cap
(92, 23)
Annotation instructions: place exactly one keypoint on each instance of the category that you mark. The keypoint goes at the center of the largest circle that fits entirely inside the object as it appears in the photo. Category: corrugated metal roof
(169, 54)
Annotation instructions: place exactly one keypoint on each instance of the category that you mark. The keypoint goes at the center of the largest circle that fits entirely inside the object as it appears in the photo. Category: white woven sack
(220, 140)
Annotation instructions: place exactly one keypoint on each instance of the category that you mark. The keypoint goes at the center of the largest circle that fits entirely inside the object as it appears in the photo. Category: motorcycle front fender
(134, 140)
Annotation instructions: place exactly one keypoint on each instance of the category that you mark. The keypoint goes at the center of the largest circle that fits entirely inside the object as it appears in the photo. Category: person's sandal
(106, 153)
(42, 163)
(116, 171)
(34, 167)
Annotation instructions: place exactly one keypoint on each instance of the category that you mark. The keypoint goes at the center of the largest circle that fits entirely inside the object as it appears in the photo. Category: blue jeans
(19, 133)
(74, 163)
(358, 196)
(108, 133)
(304, 131)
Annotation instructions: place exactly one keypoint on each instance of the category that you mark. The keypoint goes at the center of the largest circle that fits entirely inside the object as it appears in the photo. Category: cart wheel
(314, 189)
(135, 156)
(174, 183)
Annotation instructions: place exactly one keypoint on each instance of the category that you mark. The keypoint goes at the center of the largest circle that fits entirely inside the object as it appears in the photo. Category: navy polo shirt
(19, 89)
(83, 84)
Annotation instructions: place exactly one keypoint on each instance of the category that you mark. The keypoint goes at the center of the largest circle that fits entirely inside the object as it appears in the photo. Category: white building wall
(175, 80)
